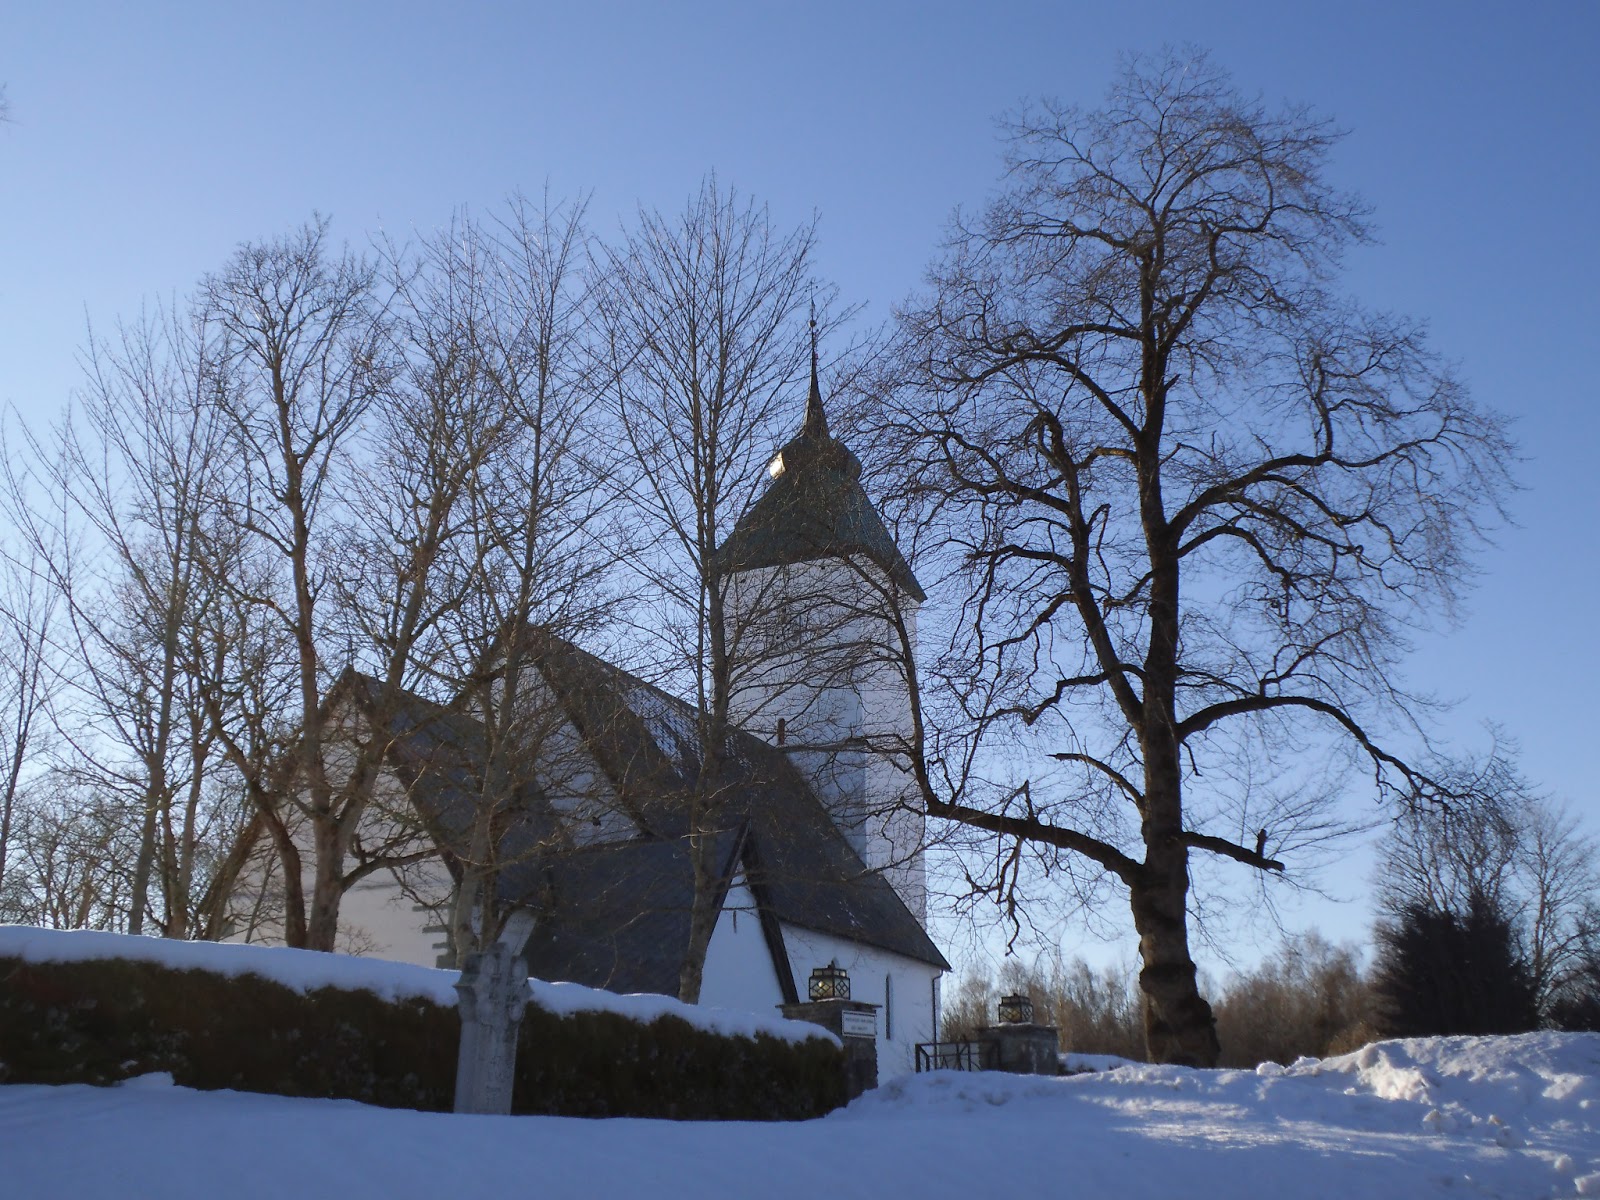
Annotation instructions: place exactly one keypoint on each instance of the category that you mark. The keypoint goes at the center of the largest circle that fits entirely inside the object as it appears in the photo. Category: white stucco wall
(739, 974)
(814, 649)
(384, 915)
(911, 990)
(378, 917)
(739, 971)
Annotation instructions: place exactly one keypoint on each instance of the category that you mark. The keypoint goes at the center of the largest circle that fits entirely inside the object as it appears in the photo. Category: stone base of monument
(855, 1022)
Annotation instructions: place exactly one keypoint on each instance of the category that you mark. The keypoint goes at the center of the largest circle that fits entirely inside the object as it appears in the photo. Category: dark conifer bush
(1444, 972)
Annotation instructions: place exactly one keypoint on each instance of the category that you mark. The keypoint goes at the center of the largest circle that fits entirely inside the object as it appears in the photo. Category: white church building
(821, 838)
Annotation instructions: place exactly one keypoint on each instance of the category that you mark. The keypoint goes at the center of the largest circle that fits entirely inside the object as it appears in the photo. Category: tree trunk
(477, 878)
(706, 802)
(1178, 1023)
(327, 886)
(702, 916)
(294, 908)
(139, 898)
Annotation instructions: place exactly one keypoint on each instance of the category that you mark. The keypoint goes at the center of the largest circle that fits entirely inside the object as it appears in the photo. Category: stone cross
(491, 994)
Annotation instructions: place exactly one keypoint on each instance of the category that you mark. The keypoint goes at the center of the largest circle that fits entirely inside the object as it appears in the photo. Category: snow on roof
(307, 970)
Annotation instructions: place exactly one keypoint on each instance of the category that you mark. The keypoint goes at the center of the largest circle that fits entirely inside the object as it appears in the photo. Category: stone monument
(491, 995)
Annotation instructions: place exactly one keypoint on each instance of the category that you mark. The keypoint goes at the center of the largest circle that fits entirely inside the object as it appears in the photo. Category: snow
(1514, 1118)
(307, 970)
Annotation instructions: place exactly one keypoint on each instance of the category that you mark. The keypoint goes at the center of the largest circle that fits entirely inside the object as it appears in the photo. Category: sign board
(859, 1024)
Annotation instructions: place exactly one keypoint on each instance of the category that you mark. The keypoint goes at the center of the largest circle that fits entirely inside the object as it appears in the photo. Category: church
(820, 840)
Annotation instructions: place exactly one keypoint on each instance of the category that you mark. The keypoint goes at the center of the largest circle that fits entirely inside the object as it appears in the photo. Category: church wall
(380, 918)
(813, 649)
(738, 969)
(384, 915)
(911, 990)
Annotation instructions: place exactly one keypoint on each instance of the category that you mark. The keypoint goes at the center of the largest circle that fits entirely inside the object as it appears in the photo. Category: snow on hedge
(306, 970)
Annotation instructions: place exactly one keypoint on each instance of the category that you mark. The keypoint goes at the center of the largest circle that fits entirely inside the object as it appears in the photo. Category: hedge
(106, 1020)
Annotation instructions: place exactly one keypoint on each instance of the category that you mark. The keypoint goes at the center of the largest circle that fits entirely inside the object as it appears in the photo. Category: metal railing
(956, 1056)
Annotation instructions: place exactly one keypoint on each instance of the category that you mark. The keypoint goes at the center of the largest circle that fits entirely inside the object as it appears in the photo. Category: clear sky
(148, 139)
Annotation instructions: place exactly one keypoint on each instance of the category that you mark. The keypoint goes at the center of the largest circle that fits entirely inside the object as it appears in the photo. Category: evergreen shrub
(107, 1020)
(1441, 972)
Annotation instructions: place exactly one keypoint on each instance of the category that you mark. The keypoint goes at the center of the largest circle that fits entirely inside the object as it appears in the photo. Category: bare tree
(28, 680)
(1195, 498)
(703, 338)
(412, 496)
(1559, 864)
(127, 546)
(1306, 999)
(307, 361)
(72, 850)
(530, 561)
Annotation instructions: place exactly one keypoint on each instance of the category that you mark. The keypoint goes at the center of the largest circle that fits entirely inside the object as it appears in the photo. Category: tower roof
(815, 508)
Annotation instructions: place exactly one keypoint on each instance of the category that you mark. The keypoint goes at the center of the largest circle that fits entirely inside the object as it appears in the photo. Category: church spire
(816, 422)
(814, 508)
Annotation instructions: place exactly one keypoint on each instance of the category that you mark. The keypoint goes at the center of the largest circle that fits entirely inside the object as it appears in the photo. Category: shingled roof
(815, 508)
(775, 832)
(616, 914)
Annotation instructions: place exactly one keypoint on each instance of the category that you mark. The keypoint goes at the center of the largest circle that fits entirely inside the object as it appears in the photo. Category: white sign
(860, 1024)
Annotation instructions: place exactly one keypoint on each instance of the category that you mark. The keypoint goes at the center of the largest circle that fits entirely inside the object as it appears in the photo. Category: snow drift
(1514, 1118)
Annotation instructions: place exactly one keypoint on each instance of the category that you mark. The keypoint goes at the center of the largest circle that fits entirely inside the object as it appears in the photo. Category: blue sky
(147, 140)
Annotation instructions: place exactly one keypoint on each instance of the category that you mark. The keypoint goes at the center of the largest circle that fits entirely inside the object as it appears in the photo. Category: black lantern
(829, 983)
(1016, 1010)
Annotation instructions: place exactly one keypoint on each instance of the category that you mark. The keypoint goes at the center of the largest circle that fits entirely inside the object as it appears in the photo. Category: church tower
(822, 610)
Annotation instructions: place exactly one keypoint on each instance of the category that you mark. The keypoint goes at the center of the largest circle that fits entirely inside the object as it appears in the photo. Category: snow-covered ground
(1448, 1117)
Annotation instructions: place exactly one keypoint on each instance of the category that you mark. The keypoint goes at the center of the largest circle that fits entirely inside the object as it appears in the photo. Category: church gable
(801, 859)
(616, 910)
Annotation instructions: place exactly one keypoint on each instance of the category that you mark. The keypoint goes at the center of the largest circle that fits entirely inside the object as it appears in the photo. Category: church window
(888, 1007)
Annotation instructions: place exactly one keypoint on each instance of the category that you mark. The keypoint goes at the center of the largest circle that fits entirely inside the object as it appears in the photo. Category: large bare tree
(702, 338)
(533, 555)
(306, 360)
(138, 469)
(411, 485)
(276, 513)
(1195, 497)
(357, 422)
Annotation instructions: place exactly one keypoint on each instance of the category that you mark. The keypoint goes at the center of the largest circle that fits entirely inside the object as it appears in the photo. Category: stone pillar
(491, 996)
(855, 1022)
(1024, 1049)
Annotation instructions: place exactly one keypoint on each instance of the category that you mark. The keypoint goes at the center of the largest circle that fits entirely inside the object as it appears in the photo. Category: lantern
(1016, 1010)
(829, 983)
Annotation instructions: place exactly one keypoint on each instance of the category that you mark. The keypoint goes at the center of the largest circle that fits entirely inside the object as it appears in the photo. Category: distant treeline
(1309, 998)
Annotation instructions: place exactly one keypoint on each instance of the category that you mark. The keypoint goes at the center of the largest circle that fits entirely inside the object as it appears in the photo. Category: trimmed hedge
(106, 1020)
